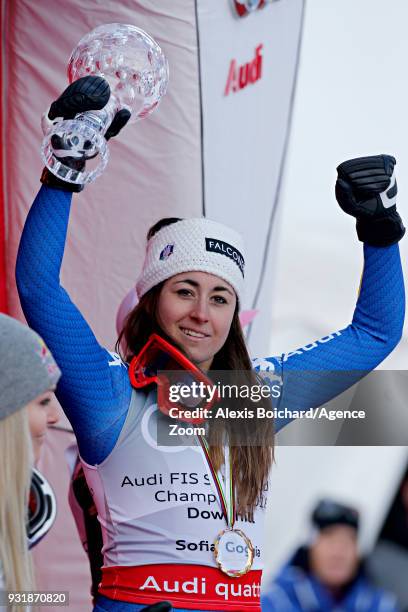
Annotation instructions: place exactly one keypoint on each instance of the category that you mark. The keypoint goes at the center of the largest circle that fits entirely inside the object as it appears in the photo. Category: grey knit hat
(27, 368)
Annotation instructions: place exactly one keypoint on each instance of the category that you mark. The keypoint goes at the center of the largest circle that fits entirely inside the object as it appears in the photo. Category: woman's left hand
(366, 189)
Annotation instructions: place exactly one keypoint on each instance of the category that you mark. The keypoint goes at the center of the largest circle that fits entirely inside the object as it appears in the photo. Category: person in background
(85, 514)
(329, 574)
(388, 563)
(28, 376)
(42, 413)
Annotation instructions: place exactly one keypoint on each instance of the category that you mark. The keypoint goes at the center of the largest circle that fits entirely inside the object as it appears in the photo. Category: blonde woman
(28, 376)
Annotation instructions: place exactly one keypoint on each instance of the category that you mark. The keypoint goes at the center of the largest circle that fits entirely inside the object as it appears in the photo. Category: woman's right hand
(85, 94)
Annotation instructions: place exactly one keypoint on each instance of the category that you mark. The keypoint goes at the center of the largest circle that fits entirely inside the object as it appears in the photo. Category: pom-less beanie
(198, 245)
(27, 368)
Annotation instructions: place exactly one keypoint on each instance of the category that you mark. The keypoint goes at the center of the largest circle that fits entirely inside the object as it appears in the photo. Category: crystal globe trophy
(137, 72)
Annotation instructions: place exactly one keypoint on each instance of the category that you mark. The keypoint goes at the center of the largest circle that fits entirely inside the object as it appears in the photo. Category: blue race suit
(96, 395)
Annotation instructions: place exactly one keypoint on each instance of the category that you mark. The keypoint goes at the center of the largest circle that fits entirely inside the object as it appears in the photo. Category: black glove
(366, 189)
(85, 94)
(163, 606)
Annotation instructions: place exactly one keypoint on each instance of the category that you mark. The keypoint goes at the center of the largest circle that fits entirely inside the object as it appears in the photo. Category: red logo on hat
(43, 351)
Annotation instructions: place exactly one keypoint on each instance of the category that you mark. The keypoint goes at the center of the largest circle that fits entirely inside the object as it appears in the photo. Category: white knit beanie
(194, 245)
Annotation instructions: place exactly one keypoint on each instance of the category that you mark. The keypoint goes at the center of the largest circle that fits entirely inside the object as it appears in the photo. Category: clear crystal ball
(129, 59)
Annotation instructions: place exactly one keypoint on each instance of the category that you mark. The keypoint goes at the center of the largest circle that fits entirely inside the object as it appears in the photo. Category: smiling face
(42, 412)
(196, 309)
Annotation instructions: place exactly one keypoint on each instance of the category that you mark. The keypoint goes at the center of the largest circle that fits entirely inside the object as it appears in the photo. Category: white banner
(248, 75)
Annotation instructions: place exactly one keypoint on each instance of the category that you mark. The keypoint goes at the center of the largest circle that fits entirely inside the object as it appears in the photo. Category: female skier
(162, 508)
(28, 376)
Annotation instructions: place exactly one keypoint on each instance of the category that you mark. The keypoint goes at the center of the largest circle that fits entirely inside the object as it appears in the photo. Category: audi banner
(215, 146)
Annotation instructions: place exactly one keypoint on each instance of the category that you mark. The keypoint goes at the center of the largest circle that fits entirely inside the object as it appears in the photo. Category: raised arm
(94, 389)
(321, 370)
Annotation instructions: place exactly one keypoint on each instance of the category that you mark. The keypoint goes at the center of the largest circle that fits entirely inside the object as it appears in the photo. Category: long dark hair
(253, 440)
